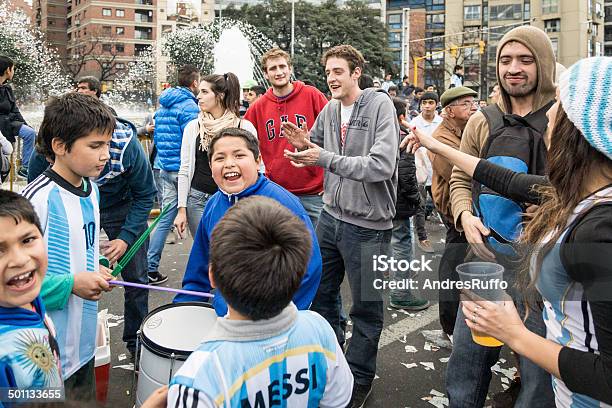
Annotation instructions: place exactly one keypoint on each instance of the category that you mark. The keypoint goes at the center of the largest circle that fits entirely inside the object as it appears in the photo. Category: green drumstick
(127, 257)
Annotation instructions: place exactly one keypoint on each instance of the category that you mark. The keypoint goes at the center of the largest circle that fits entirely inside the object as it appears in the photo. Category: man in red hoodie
(294, 102)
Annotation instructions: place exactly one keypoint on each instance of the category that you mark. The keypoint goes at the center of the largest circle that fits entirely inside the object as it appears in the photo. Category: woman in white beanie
(570, 236)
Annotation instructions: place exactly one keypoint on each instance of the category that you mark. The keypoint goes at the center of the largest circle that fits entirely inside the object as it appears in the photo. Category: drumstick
(160, 288)
(127, 257)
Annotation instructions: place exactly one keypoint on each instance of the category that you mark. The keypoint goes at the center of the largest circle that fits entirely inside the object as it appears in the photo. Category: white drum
(168, 335)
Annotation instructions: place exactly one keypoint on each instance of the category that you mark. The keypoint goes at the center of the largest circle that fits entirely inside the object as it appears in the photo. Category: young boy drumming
(75, 135)
(264, 352)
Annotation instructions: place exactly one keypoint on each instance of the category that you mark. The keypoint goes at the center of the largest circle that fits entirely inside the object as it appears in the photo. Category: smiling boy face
(234, 167)
(23, 262)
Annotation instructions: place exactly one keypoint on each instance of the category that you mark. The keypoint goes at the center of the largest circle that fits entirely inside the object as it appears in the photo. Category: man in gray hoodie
(355, 139)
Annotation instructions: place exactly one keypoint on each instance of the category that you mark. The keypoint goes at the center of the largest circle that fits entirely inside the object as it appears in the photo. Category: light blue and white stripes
(584, 92)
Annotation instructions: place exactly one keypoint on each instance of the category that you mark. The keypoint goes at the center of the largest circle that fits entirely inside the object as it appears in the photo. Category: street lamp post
(405, 68)
(292, 26)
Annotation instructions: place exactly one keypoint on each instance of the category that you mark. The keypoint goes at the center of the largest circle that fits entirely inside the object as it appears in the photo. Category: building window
(394, 21)
(107, 47)
(120, 13)
(608, 33)
(608, 51)
(120, 65)
(143, 33)
(435, 21)
(555, 46)
(106, 30)
(550, 6)
(395, 40)
(120, 30)
(506, 12)
(120, 47)
(552, 26)
(107, 12)
(471, 12)
(599, 9)
(434, 5)
(526, 11)
(597, 49)
(608, 14)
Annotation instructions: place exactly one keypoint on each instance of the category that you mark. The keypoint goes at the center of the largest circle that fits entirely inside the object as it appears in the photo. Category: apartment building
(472, 29)
(575, 29)
(415, 28)
(100, 37)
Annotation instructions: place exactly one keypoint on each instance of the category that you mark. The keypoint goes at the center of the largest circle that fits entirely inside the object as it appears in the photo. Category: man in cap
(458, 105)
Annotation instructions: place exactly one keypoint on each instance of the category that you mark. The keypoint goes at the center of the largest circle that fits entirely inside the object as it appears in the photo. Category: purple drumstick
(161, 288)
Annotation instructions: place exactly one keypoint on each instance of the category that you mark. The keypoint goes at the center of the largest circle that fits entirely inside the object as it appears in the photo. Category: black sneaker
(156, 278)
(360, 395)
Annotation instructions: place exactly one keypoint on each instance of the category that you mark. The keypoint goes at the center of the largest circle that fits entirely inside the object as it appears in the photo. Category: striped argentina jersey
(301, 365)
(70, 219)
(566, 313)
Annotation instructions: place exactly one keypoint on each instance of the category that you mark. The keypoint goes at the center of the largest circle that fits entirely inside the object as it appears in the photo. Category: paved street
(410, 369)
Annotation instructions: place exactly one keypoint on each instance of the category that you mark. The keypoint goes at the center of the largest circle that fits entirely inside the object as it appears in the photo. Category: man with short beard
(525, 73)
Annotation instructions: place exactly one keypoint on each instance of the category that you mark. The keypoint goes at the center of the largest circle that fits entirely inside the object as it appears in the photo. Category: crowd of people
(290, 193)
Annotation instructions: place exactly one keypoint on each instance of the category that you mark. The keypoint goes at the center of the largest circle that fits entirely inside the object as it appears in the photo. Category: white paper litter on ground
(444, 359)
(431, 347)
(505, 386)
(393, 315)
(437, 399)
(410, 349)
(505, 380)
(129, 367)
(438, 338)
(502, 360)
(121, 357)
(403, 339)
(508, 372)
(376, 377)
(409, 365)
(428, 365)
(348, 335)
(349, 322)
(436, 393)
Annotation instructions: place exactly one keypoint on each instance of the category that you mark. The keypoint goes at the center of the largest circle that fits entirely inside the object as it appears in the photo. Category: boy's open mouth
(231, 176)
(21, 281)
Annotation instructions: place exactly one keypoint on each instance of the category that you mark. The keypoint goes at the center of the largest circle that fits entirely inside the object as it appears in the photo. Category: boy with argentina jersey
(265, 352)
(75, 135)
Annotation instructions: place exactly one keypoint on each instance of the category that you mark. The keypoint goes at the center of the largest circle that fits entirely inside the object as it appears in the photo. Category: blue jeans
(196, 201)
(313, 204)
(169, 185)
(348, 247)
(136, 301)
(28, 136)
(401, 243)
(158, 185)
(469, 369)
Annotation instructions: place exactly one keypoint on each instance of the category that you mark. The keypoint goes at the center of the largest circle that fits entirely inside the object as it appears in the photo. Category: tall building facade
(467, 31)
(416, 30)
(100, 37)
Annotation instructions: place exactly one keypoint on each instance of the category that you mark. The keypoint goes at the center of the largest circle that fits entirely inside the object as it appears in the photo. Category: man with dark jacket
(179, 106)
(459, 105)
(407, 205)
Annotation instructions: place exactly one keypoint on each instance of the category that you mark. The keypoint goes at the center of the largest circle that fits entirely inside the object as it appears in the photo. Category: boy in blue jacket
(29, 356)
(234, 161)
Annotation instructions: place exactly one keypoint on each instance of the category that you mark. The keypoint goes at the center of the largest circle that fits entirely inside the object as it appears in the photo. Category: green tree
(317, 28)
(38, 71)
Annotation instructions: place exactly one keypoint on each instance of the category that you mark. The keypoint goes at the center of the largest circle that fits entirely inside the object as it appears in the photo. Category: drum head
(177, 328)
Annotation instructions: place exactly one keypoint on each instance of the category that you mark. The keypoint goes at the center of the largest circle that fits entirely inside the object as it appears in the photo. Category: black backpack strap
(495, 121)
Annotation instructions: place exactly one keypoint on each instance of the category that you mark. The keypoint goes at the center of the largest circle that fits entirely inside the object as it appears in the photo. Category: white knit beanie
(584, 91)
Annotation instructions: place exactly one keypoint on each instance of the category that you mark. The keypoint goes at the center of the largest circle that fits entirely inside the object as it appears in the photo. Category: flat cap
(455, 93)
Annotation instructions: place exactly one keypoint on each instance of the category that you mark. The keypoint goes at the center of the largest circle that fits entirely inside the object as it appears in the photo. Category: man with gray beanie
(509, 133)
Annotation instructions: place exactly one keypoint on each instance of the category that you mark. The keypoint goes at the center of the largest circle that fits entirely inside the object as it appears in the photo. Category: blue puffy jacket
(179, 106)
(196, 274)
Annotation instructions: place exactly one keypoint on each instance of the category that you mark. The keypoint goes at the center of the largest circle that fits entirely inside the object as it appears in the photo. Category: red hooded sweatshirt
(301, 107)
